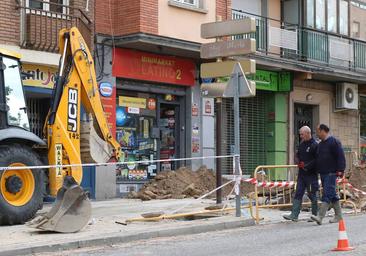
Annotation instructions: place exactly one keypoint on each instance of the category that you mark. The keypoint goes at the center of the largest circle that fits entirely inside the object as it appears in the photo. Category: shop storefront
(38, 84)
(150, 112)
(264, 121)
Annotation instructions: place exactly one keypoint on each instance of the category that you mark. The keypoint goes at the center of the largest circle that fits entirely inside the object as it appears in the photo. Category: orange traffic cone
(343, 238)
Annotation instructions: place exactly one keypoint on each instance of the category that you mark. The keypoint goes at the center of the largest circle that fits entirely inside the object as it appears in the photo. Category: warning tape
(288, 184)
(350, 186)
(270, 184)
(4, 168)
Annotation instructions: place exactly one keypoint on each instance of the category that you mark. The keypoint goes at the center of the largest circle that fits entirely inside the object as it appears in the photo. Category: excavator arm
(72, 141)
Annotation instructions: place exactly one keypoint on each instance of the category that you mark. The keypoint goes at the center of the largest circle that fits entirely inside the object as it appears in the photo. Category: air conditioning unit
(346, 96)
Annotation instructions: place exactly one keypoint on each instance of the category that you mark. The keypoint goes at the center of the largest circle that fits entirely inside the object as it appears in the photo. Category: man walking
(330, 164)
(307, 177)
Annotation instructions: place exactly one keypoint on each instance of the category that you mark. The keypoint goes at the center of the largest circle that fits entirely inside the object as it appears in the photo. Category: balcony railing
(291, 41)
(41, 22)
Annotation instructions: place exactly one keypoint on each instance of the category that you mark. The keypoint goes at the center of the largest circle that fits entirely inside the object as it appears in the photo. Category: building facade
(322, 45)
(150, 53)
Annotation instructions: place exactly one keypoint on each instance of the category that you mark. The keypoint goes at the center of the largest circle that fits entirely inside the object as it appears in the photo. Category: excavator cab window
(14, 95)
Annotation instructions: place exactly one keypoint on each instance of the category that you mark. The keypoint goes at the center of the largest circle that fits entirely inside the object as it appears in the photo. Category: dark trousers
(308, 182)
(329, 188)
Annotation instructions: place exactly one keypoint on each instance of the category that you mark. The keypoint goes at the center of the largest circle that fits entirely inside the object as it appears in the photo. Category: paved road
(288, 238)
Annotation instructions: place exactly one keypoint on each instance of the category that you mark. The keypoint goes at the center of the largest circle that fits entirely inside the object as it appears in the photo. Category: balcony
(292, 42)
(41, 22)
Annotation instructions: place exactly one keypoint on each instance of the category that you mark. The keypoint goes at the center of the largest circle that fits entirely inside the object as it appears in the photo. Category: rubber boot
(314, 209)
(296, 207)
(322, 211)
(337, 212)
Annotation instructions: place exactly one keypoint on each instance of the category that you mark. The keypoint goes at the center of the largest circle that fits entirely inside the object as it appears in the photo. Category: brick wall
(223, 9)
(123, 17)
(149, 16)
(9, 22)
(41, 31)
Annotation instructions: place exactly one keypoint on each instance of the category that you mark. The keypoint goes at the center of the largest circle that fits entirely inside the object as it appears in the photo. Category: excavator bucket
(70, 213)
(92, 147)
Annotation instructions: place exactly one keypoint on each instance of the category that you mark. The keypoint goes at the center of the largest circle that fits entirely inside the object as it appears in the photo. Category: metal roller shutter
(252, 133)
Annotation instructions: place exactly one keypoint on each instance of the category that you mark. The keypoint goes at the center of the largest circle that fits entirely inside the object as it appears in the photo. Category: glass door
(169, 135)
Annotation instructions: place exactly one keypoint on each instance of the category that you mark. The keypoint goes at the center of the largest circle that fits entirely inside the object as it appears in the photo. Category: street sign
(238, 85)
(228, 28)
(228, 48)
(220, 69)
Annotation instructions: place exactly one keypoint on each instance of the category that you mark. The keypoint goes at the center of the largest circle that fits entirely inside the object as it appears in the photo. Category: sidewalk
(102, 230)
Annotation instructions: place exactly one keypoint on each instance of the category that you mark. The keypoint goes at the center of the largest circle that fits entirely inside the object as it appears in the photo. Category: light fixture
(309, 97)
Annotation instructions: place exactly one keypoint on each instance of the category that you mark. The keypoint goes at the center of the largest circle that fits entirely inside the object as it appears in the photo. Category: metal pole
(218, 150)
(237, 137)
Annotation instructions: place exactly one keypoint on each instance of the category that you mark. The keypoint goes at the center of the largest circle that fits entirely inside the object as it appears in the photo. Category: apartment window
(58, 6)
(310, 13)
(194, 3)
(320, 14)
(332, 16)
(356, 29)
(343, 17)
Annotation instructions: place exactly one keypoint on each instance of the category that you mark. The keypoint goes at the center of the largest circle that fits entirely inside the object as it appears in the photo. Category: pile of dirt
(184, 183)
(357, 177)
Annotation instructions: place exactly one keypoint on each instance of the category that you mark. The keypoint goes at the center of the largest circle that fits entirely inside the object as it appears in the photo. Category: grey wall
(105, 176)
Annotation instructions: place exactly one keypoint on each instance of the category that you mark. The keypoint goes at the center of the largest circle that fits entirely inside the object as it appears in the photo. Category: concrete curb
(115, 238)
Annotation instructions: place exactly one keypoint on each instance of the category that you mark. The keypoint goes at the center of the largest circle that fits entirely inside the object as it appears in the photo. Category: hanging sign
(194, 110)
(208, 106)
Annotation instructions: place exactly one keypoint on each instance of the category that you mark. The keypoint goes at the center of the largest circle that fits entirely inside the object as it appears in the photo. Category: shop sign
(152, 67)
(208, 106)
(194, 110)
(133, 102)
(272, 81)
(109, 106)
(151, 104)
(132, 110)
(106, 89)
(39, 76)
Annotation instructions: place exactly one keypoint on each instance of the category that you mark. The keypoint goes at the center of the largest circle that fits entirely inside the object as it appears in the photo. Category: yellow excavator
(68, 141)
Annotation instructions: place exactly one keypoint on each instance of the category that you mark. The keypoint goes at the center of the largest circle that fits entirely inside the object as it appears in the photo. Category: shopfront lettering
(40, 76)
(158, 61)
(161, 71)
(152, 67)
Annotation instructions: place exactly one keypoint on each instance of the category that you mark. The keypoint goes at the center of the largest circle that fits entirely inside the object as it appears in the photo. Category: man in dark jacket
(330, 164)
(307, 177)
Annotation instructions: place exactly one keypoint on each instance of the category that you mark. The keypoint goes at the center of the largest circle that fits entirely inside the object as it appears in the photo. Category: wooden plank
(228, 28)
(228, 48)
(225, 68)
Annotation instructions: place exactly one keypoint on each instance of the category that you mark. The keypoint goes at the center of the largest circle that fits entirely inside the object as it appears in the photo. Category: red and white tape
(288, 184)
(270, 184)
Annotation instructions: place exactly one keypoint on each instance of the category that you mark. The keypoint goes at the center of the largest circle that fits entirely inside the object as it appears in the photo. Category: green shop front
(263, 123)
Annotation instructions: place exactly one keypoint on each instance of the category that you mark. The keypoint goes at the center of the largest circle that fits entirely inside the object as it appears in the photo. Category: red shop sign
(153, 67)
